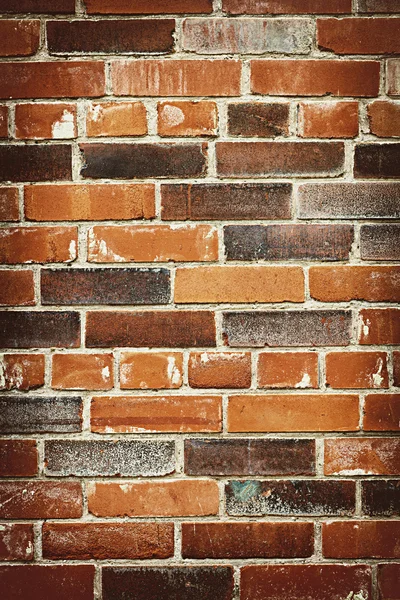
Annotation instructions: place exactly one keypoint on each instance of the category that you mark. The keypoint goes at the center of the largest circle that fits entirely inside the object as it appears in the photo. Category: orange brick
(38, 244)
(359, 35)
(239, 284)
(357, 370)
(187, 118)
(274, 413)
(328, 119)
(220, 369)
(288, 370)
(41, 121)
(82, 372)
(384, 119)
(379, 326)
(151, 370)
(382, 412)
(17, 288)
(9, 209)
(107, 119)
(18, 458)
(341, 284)
(159, 243)
(3, 121)
(158, 499)
(19, 37)
(21, 371)
(361, 539)
(362, 456)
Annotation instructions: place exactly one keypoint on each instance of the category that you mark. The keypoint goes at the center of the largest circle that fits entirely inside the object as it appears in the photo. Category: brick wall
(200, 381)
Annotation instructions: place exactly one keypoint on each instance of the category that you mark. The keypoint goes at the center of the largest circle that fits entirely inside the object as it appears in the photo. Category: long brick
(45, 120)
(380, 242)
(257, 7)
(38, 245)
(38, 6)
(16, 541)
(151, 370)
(388, 581)
(50, 329)
(382, 412)
(362, 456)
(384, 118)
(377, 161)
(258, 119)
(219, 369)
(35, 163)
(19, 38)
(9, 204)
(82, 371)
(40, 414)
(378, 6)
(379, 326)
(359, 35)
(380, 498)
(361, 539)
(354, 370)
(17, 288)
(148, 7)
(43, 581)
(344, 283)
(21, 371)
(40, 500)
(18, 458)
(287, 370)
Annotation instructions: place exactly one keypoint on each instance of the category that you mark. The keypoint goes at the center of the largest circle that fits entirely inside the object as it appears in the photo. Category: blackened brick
(381, 498)
(377, 161)
(23, 329)
(38, 414)
(258, 119)
(380, 242)
(35, 163)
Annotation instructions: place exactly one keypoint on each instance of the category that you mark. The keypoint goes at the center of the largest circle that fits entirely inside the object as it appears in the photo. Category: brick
(382, 412)
(40, 121)
(176, 77)
(105, 286)
(131, 161)
(247, 36)
(17, 288)
(359, 35)
(210, 201)
(384, 119)
(295, 412)
(109, 35)
(19, 37)
(52, 80)
(362, 456)
(16, 541)
(159, 243)
(378, 6)
(39, 414)
(249, 456)
(396, 368)
(315, 77)
(190, 119)
(148, 7)
(284, 159)
(288, 242)
(96, 202)
(3, 128)
(82, 371)
(220, 370)
(361, 539)
(380, 498)
(9, 209)
(257, 7)
(35, 163)
(116, 458)
(328, 119)
(105, 541)
(38, 6)
(287, 370)
(19, 458)
(239, 284)
(377, 161)
(301, 497)
(287, 328)
(22, 329)
(40, 500)
(247, 540)
(21, 371)
(180, 414)
(162, 499)
(393, 77)
(305, 582)
(258, 119)
(379, 326)
(151, 370)
(388, 581)
(168, 583)
(380, 242)
(354, 370)
(43, 581)
(108, 119)
(38, 244)
(344, 283)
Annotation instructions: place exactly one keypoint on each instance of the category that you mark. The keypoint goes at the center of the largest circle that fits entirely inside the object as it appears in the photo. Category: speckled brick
(40, 414)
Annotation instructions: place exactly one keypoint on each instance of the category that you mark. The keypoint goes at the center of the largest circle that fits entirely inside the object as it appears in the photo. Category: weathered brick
(38, 6)
(285, 159)
(42, 581)
(388, 581)
(379, 326)
(295, 412)
(82, 371)
(148, 7)
(38, 244)
(40, 500)
(40, 121)
(380, 498)
(21, 371)
(109, 35)
(19, 38)
(18, 458)
(361, 539)
(40, 414)
(220, 369)
(35, 163)
(173, 329)
(121, 458)
(344, 283)
(108, 119)
(17, 288)
(362, 456)
(328, 119)
(378, 6)
(9, 209)
(151, 370)
(315, 77)
(180, 414)
(384, 118)
(96, 202)
(3, 128)
(301, 497)
(21, 329)
(258, 119)
(239, 284)
(393, 77)
(164, 499)
(105, 541)
(380, 242)
(377, 161)
(359, 35)
(176, 77)
(382, 412)
(257, 7)
(191, 119)
(288, 328)
(356, 370)
(226, 201)
(396, 369)
(16, 541)
(287, 370)
(247, 540)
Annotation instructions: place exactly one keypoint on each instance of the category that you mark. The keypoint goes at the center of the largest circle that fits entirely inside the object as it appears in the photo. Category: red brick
(396, 369)
(176, 77)
(388, 581)
(288, 370)
(41, 121)
(328, 119)
(141, 414)
(82, 372)
(359, 35)
(21, 371)
(361, 539)
(258, 119)
(39, 329)
(19, 38)
(384, 118)
(393, 77)
(19, 458)
(119, 119)
(220, 369)
(354, 370)
(382, 412)
(40, 500)
(379, 326)
(38, 245)
(259, 7)
(315, 77)
(9, 204)
(158, 499)
(148, 7)
(191, 119)
(35, 162)
(3, 123)
(344, 283)
(17, 288)
(16, 541)
(151, 370)
(40, 581)
(362, 456)
(38, 6)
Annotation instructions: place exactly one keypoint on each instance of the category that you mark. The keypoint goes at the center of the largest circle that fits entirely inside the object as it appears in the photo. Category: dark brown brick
(39, 414)
(247, 540)
(258, 119)
(40, 500)
(116, 36)
(38, 6)
(380, 242)
(168, 583)
(173, 329)
(257, 498)
(288, 328)
(40, 581)
(361, 539)
(388, 581)
(396, 371)
(378, 6)
(35, 163)
(377, 161)
(16, 541)
(18, 458)
(22, 329)
(226, 201)
(129, 161)
(381, 498)
(105, 286)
